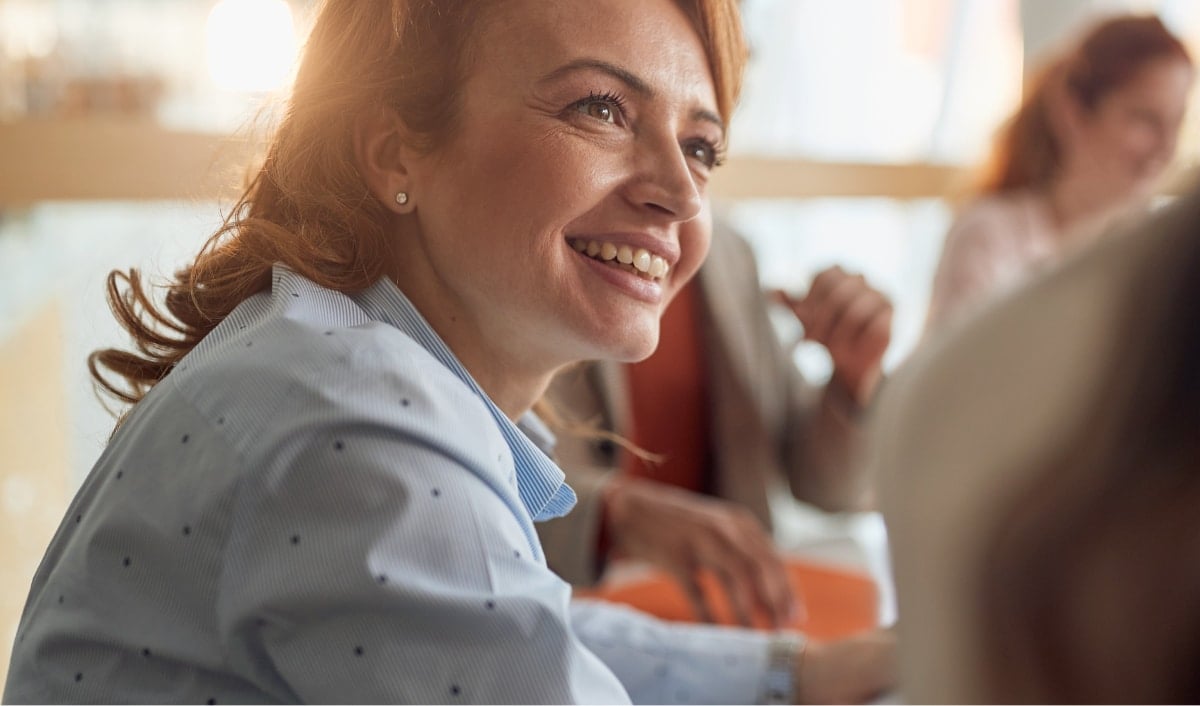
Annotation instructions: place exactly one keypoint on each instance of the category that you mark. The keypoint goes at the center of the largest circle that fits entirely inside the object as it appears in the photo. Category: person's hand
(688, 534)
(849, 671)
(852, 320)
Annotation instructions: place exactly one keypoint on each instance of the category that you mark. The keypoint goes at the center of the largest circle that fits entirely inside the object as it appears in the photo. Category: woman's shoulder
(994, 212)
(997, 232)
(326, 361)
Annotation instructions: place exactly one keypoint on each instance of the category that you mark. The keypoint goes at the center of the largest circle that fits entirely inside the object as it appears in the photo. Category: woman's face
(587, 127)
(1127, 141)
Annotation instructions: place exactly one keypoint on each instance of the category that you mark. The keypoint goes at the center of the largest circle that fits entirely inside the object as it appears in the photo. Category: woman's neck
(502, 367)
(510, 383)
(1079, 209)
(513, 391)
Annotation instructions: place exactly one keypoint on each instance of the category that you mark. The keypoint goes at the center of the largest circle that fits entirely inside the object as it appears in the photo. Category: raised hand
(852, 320)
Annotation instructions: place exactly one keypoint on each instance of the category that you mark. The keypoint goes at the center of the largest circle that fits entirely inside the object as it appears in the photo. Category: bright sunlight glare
(251, 44)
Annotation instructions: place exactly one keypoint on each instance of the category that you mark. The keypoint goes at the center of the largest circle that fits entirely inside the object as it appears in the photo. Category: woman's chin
(626, 338)
(631, 349)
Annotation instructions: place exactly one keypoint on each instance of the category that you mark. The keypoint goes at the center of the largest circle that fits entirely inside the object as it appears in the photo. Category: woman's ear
(381, 150)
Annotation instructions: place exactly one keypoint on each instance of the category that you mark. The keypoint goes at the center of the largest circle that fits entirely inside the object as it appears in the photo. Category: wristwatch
(783, 657)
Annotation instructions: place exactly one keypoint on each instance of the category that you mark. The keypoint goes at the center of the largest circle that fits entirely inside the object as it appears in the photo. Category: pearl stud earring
(402, 197)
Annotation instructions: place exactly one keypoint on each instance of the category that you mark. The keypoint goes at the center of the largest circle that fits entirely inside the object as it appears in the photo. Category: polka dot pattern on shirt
(202, 444)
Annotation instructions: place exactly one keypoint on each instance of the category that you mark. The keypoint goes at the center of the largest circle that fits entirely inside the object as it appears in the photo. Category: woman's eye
(606, 107)
(602, 110)
(703, 152)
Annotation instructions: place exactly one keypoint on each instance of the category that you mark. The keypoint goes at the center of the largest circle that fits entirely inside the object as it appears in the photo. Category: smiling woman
(564, 133)
(326, 485)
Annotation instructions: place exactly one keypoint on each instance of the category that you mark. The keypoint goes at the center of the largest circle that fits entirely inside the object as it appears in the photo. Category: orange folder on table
(839, 603)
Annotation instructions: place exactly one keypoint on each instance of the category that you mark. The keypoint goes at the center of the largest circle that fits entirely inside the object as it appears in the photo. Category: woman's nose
(666, 185)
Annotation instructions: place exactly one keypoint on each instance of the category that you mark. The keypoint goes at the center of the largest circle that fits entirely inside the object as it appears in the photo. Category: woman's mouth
(638, 261)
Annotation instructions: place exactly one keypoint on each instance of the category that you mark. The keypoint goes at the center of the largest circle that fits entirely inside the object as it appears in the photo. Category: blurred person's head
(1088, 583)
(1105, 114)
(467, 150)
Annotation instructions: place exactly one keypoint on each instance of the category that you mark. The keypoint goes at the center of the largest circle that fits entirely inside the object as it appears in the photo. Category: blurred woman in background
(1096, 129)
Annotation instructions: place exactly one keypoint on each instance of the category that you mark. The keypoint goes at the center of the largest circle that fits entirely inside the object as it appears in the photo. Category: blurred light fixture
(27, 29)
(251, 44)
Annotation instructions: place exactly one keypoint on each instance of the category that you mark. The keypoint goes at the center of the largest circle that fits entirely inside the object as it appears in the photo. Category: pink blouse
(992, 246)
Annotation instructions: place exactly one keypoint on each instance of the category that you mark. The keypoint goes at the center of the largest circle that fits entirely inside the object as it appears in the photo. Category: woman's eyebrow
(703, 115)
(630, 79)
(623, 75)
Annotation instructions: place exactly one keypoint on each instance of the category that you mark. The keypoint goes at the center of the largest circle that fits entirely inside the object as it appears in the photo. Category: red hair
(1027, 152)
(308, 207)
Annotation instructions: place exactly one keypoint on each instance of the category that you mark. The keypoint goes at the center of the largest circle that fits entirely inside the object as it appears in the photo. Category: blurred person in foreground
(725, 416)
(321, 492)
(1095, 131)
(1039, 472)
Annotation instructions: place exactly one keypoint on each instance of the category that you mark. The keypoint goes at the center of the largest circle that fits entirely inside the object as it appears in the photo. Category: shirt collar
(540, 482)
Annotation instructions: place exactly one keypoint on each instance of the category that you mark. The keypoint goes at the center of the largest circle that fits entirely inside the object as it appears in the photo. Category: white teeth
(641, 260)
(658, 266)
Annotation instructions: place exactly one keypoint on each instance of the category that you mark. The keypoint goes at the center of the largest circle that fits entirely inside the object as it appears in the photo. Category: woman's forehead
(653, 40)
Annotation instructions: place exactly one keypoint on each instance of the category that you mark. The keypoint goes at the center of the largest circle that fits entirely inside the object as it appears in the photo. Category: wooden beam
(127, 160)
(116, 159)
(773, 178)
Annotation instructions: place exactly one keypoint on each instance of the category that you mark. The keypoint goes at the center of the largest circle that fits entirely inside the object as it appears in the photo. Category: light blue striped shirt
(319, 504)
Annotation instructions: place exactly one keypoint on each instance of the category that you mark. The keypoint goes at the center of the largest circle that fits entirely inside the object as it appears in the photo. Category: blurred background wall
(123, 129)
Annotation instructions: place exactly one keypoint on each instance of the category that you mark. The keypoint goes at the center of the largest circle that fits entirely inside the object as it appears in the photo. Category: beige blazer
(767, 421)
(967, 421)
